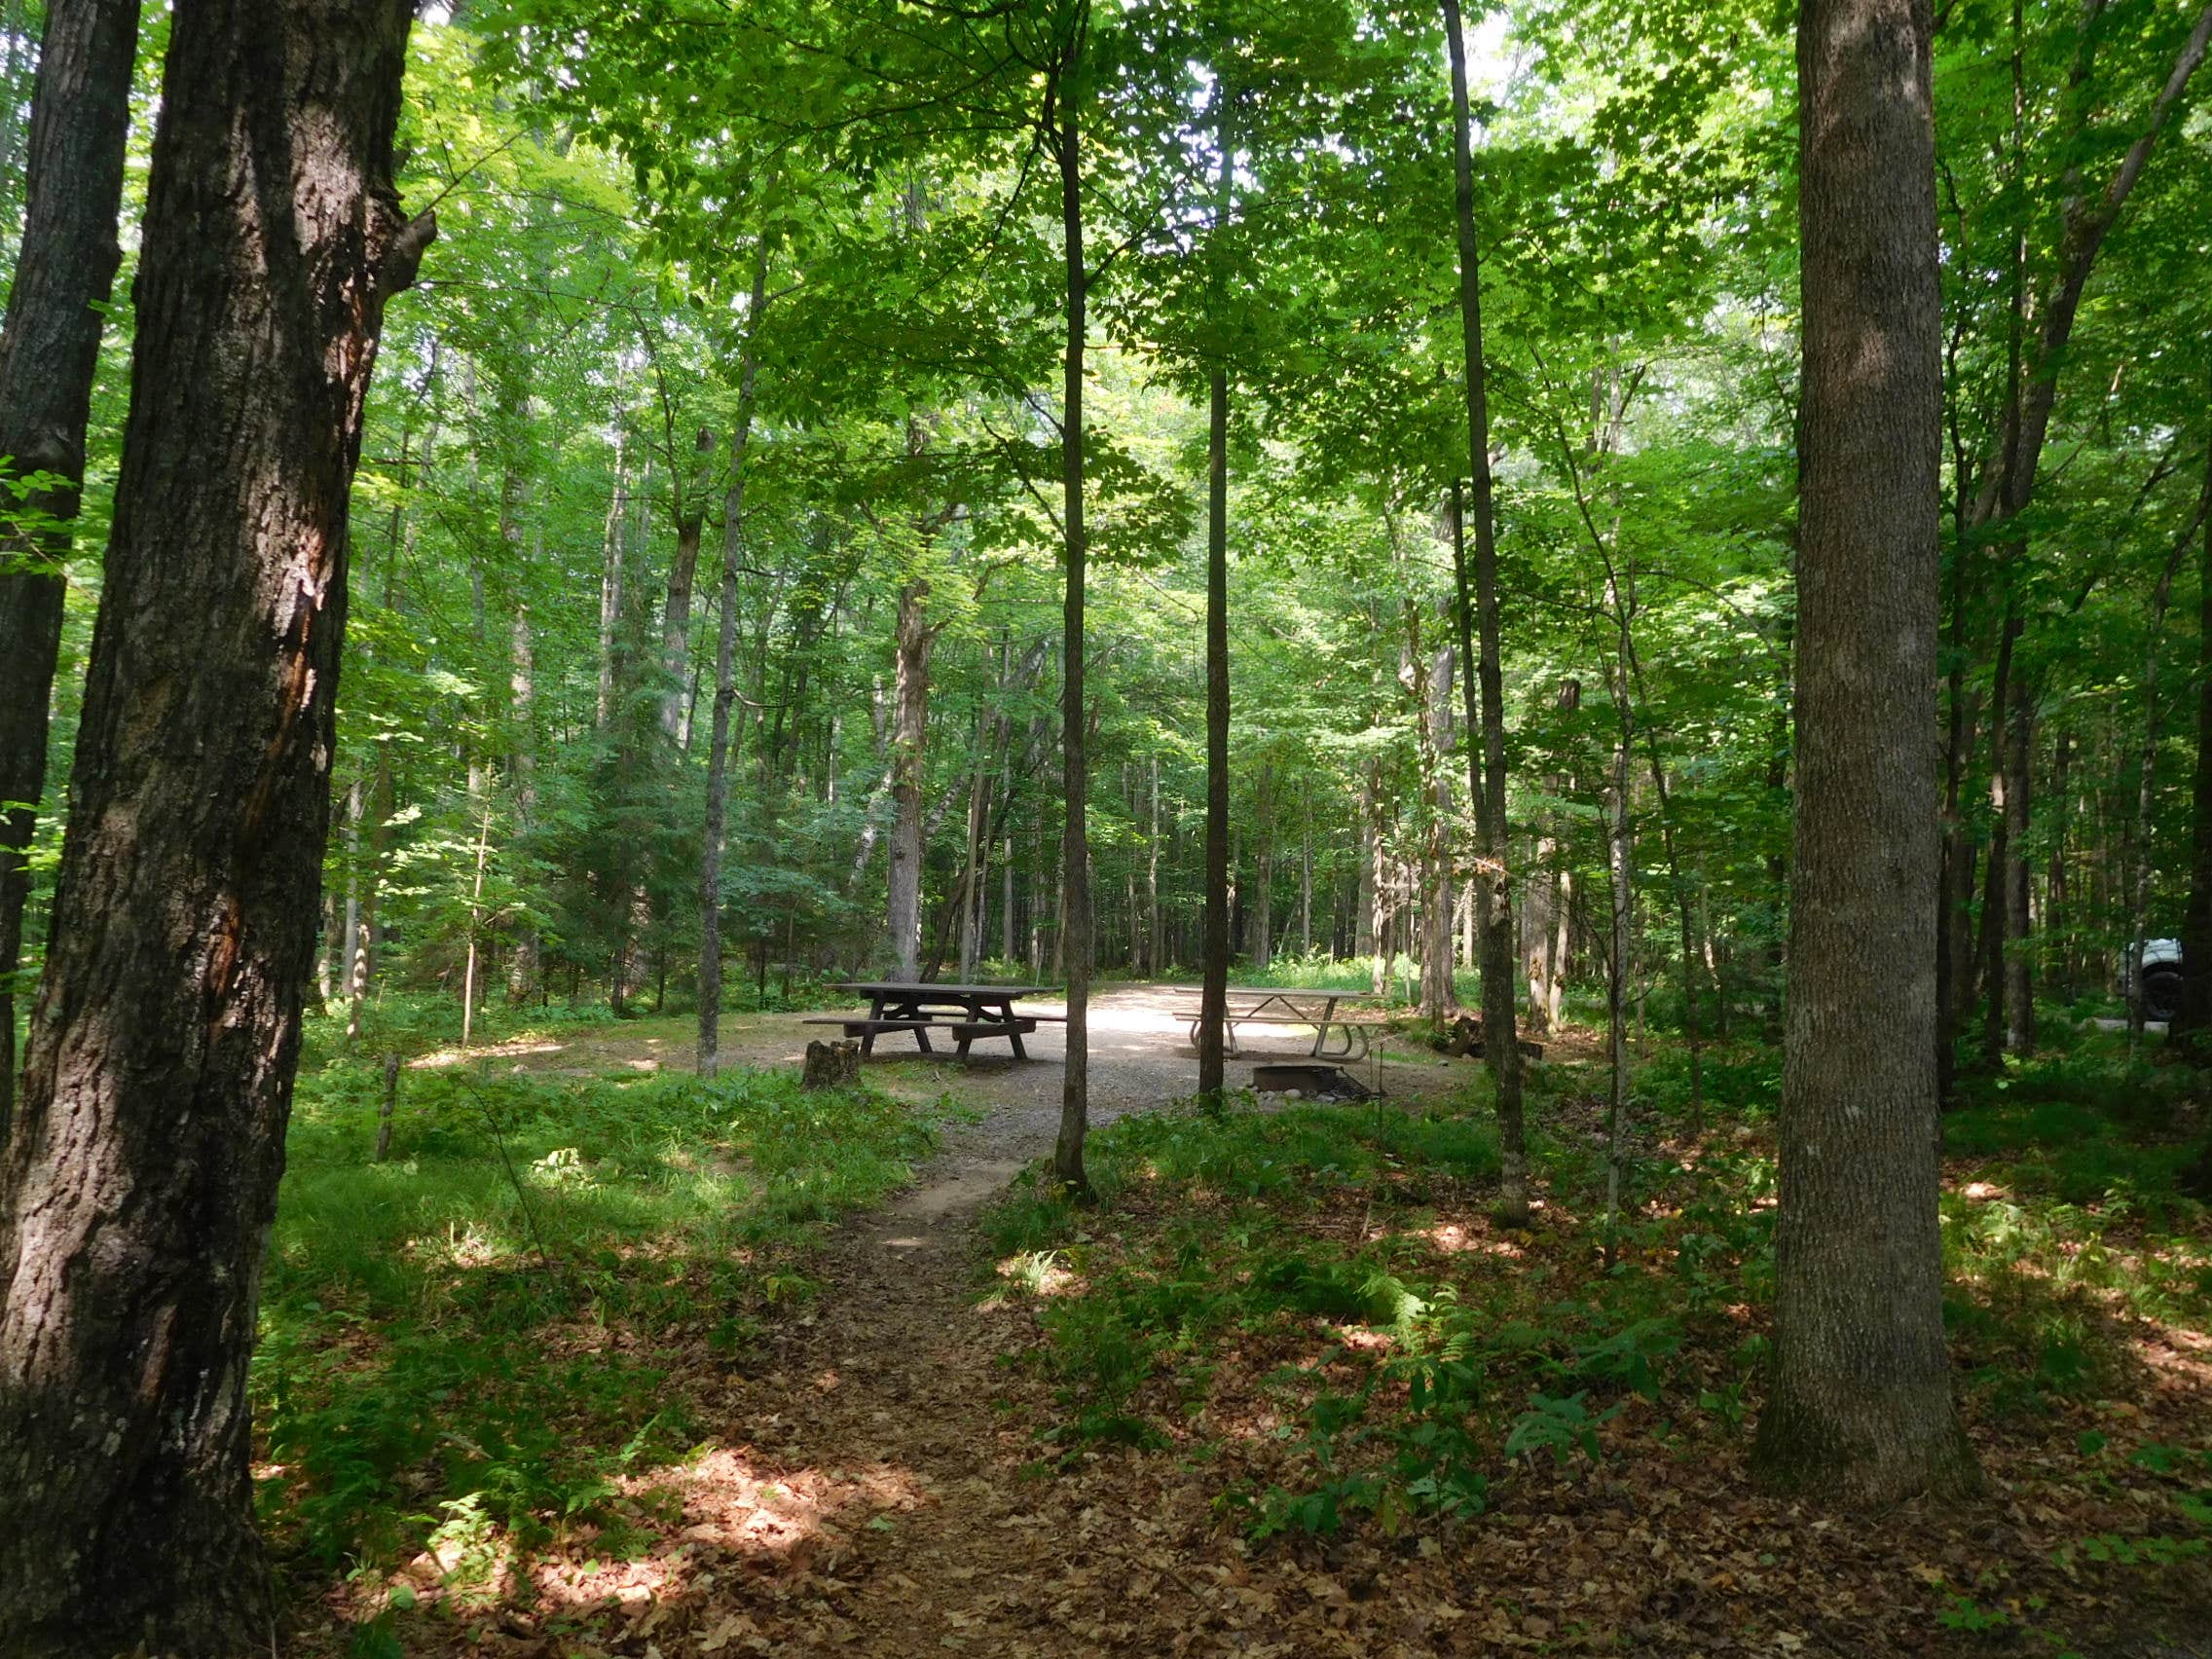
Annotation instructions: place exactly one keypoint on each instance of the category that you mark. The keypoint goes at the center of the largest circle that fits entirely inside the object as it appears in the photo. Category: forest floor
(1005, 1425)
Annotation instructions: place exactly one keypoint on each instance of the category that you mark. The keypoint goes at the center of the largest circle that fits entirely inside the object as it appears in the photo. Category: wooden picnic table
(1276, 1005)
(971, 1013)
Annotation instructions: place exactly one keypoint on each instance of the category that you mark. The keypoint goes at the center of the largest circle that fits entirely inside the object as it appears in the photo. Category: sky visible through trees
(1674, 542)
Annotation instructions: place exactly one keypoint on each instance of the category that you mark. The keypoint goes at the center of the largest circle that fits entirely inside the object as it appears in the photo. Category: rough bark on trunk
(1859, 1402)
(1075, 854)
(141, 1181)
(1487, 781)
(1213, 995)
(49, 352)
(725, 682)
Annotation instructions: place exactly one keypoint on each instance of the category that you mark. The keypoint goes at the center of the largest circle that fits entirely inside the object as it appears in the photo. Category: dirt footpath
(874, 1486)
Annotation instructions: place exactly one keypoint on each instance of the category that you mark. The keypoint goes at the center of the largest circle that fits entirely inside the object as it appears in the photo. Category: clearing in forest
(1284, 1389)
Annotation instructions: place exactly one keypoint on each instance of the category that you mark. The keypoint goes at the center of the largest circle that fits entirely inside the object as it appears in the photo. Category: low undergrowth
(1313, 1308)
(483, 1333)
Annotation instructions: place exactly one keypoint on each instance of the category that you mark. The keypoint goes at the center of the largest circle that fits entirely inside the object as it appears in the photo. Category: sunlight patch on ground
(439, 1058)
(1039, 1272)
(1455, 1240)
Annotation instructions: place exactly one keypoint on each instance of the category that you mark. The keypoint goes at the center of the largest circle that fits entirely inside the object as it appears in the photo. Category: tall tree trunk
(1075, 855)
(1214, 991)
(1860, 1403)
(1439, 994)
(725, 680)
(1538, 908)
(1494, 889)
(676, 616)
(49, 352)
(1151, 930)
(1304, 871)
(972, 888)
(1562, 938)
(1363, 857)
(910, 735)
(141, 1180)
(1621, 892)
(522, 690)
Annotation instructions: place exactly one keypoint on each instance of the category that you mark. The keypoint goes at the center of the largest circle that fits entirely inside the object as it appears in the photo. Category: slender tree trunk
(49, 352)
(1364, 856)
(1439, 994)
(1502, 1047)
(726, 681)
(1213, 1003)
(1556, 965)
(1305, 872)
(141, 1180)
(676, 615)
(910, 735)
(522, 688)
(1539, 907)
(611, 575)
(1154, 941)
(1621, 891)
(355, 808)
(1074, 875)
(972, 888)
(468, 976)
(1859, 1402)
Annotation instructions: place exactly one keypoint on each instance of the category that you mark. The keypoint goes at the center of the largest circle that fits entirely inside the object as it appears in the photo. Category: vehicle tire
(2161, 991)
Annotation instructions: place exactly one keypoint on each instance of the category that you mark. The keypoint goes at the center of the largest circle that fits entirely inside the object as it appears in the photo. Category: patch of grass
(1409, 1345)
(1317, 1297)
(500, 1313)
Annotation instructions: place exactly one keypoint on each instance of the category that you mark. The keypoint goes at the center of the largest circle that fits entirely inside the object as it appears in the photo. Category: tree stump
(832, 1065)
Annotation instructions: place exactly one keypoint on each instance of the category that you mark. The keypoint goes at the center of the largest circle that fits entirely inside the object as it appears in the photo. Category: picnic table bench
(971, 1014)
(1336, 1036)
